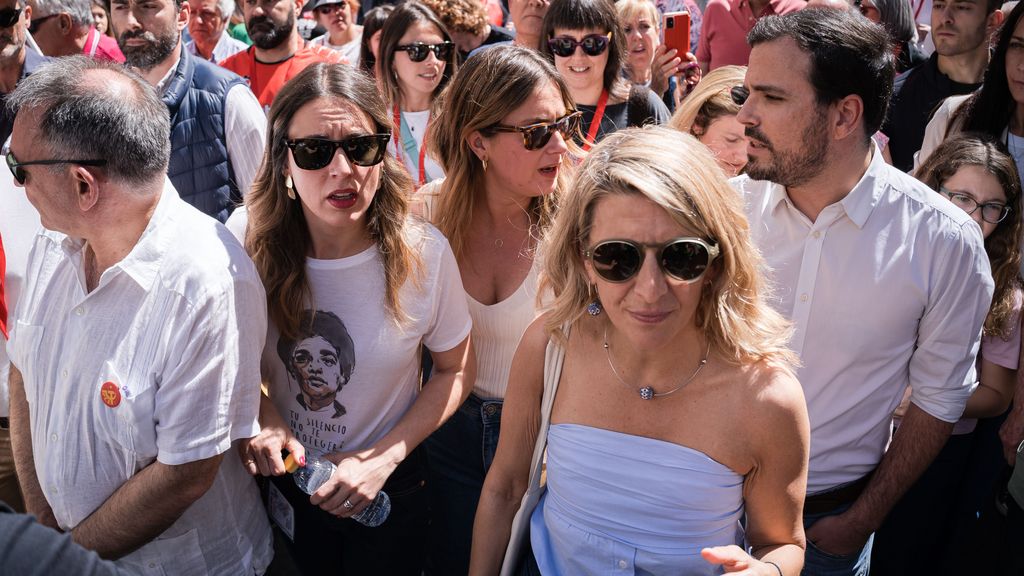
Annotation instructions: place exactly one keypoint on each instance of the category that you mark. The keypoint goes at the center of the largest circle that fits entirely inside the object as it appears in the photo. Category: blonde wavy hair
(488, 88)
(678, 173)
(709, 101)
(278, 238)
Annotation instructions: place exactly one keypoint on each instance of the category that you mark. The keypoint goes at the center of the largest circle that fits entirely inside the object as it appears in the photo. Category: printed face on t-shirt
(319, 371)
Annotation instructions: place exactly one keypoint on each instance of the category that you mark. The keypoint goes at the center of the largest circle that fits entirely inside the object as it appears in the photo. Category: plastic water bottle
(311, 477)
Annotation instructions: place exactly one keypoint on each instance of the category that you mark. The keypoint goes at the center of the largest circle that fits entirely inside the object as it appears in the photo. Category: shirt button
(64, 373)
(803, 297)
(53, 437)
(622, 564)
(817, 234)
(79, 311)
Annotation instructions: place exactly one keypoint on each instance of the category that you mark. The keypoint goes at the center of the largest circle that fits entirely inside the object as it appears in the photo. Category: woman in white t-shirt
(503, 136)
(355, 287)
(343, 34)
(417, 59)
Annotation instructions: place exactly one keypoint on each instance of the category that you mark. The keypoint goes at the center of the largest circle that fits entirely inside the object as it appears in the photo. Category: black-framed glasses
(592, 44)
(315, 153)
(684, 259)
(36, 23)
(739, 95)
(418, 51)
(537, 136)
(9, 17)
(326, 9)
(18, 170)
(991, 212)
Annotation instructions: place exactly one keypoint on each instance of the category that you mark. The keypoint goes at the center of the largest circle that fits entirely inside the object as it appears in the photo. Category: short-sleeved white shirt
(376, 360)
(158, 362)
(889, 287)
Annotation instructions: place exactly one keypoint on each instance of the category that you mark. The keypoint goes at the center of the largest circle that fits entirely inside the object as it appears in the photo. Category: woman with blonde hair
(658, 338)
(709, 114)
(354, 288)
(648, 63)
(504, 137)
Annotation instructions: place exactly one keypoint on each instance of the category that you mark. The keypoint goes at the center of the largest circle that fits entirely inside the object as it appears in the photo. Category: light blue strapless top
(623, 504)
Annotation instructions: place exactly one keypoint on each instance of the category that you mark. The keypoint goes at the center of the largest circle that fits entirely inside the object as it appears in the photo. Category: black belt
(825, 502)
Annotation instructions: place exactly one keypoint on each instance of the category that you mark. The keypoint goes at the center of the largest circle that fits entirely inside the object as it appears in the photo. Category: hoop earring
(288, 186)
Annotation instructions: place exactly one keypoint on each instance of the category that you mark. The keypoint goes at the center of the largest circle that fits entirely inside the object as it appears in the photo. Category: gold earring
(484, 162)
(288, 186)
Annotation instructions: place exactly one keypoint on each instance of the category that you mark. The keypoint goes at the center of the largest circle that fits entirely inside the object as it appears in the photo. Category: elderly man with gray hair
(135, 350)
(208, 27)
(65, 28)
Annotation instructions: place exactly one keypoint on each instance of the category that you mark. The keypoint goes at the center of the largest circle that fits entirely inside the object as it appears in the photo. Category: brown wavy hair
(490, 86)
(278, 238)
(1003, 244)
(403, 18)
(678, 173)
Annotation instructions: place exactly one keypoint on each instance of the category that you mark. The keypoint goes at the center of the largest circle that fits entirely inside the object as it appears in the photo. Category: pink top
(723, 34)
(102, 47)
(1000, 352)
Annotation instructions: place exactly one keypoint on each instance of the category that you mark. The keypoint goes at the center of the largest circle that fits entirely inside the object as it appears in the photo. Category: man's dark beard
(269, 37)
(792, 168)
(148, 56)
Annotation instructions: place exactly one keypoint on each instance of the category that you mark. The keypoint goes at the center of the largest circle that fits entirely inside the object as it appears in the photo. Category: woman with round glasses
(585, 41)
(709, 114)
(977, 176)
(417, 59)
(338, 17)
(504, 137)
(354, 288)
(670, 369)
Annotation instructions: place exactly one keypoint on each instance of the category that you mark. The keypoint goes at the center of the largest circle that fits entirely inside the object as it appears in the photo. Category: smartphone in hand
(676, 26)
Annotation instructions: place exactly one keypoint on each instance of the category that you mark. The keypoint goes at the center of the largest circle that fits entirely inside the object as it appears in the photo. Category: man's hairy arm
(144, 506)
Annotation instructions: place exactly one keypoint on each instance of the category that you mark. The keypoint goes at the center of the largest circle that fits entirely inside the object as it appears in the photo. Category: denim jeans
(461, 452)
(820, 563)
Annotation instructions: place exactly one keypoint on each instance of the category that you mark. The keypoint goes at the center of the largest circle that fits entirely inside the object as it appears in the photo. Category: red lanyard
(399, 144)
(595, 124)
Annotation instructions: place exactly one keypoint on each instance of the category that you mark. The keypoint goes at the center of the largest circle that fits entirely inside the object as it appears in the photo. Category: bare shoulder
(774, 393)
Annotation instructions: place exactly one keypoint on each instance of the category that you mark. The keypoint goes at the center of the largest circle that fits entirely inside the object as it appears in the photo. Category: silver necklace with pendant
(647, 392)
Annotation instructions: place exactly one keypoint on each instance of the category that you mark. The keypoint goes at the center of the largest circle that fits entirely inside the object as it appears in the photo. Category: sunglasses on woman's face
(9, 17)
(537, 136)
(592, 44)
(315, 153)
(418, 51)
(684, 259)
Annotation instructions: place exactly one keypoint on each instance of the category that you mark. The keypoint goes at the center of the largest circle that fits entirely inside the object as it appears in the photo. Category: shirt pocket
(125, 407)
(177, 555)
(27, 344)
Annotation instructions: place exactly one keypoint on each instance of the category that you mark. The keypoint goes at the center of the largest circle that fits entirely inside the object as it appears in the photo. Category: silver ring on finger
(348, 504)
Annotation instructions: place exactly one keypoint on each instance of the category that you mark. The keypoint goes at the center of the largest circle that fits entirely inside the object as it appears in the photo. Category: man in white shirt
(208, 27)
(887, 283)
(135, 350)
(218, 127)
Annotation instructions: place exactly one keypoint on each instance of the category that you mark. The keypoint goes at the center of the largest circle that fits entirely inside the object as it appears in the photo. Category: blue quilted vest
(199, 166)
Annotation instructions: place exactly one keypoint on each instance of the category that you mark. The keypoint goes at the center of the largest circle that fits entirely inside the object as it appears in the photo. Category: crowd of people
(271, 268)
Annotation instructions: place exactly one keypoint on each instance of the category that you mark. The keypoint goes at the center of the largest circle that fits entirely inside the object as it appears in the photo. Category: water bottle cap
(290, 464)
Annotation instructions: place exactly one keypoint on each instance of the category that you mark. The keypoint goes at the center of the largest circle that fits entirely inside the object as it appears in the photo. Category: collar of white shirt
(861, 200)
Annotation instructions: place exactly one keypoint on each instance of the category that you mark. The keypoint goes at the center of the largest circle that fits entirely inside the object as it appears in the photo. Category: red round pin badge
(110, 394)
